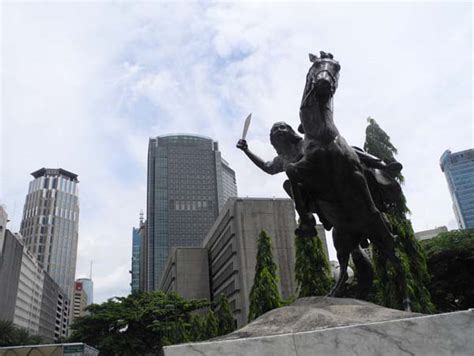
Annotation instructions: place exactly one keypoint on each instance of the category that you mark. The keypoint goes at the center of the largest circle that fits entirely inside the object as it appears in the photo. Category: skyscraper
(137, 237)
(458, 168)
(50, 224)
(188, 182)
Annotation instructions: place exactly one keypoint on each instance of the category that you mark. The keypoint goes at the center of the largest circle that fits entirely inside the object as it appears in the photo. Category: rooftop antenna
(91, 272)
(141, 217)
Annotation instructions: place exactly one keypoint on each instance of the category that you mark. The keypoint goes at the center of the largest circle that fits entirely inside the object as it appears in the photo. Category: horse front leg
(307, 223)
(343, 252)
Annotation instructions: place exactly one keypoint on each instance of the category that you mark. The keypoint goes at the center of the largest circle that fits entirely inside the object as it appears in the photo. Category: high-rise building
(137, 237)
(142, 272)
(458, 168)
(88, 287)
(188, 182)
(79, 301)
(50, 223)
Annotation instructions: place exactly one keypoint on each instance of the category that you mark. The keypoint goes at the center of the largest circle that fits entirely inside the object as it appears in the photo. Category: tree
(197, 329)
(450, 258)
(413, 259)
(224, 316)
(313, 273)
(264, 295)
(212, 325)
(140, 323)
(11, 335)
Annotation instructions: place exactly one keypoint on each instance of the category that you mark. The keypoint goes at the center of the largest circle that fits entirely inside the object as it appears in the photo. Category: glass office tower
(188, 183)
(458, 168)
(50, 224)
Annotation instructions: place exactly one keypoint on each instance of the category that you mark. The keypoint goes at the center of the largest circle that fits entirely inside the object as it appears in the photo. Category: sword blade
(246, 126)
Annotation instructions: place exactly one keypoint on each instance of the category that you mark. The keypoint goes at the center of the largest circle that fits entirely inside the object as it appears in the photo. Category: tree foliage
(264, 295)
(224, 316)
(450, 257)
(212, 325)
(140, 323)
(407, 247)
(313, 273)
(11, 335)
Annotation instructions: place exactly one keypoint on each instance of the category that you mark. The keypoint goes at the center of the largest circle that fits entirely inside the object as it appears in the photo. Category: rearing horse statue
(331, 172)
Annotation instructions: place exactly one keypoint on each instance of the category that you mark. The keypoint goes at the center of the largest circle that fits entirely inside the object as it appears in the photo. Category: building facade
(137, 237)
(50, 223)
(29, 297)
(55, 309)
(458, 167)
(142, 272)
(187, 273)
(10, 265)
(232, 246)
(29, 294)
(79, 301)
(88, 287)
(187, 183)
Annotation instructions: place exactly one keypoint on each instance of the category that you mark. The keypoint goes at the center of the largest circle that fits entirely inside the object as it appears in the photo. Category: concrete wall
(187, 273)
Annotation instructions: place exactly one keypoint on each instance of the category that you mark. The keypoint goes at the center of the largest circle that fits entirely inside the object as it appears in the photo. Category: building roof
(54, 171)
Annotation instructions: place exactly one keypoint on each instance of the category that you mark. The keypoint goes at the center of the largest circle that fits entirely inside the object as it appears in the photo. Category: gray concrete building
(10, 265)
(188, 182)
(232, 247)
(225, 263)
(29, 297)
(50, 223)
(187, 273)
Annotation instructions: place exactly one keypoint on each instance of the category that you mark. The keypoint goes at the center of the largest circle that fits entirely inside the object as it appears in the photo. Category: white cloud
(86, 84)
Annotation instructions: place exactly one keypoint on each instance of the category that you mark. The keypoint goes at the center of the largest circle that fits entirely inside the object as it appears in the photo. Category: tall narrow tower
(188, 183)
(50, 224)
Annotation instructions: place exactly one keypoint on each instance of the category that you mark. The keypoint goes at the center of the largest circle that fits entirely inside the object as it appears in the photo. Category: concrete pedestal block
(441, 334)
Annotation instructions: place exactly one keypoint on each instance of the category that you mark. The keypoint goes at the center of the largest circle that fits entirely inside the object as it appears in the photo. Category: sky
(84, 85)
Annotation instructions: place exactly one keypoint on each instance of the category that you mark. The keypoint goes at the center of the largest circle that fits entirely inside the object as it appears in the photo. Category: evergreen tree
(264, 295)
(197, 328)
(312, 270)
(212, 325)
(407, 247)
(224, 316)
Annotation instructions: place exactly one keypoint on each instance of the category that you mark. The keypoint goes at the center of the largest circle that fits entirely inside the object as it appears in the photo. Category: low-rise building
(29, 297)
(429, 234)
(225, 262)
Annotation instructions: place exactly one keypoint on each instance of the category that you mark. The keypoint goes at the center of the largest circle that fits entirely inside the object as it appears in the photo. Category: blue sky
(84, 85)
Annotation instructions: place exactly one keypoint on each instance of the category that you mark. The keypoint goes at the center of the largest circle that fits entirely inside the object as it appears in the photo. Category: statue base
(341, 326)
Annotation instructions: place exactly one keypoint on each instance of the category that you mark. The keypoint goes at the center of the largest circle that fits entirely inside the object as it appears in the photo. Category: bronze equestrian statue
(347, 188)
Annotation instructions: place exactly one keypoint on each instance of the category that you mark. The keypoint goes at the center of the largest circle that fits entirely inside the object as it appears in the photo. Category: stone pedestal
(344, 334)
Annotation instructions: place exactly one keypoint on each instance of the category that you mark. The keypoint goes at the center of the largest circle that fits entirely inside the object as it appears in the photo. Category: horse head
(322, 78)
